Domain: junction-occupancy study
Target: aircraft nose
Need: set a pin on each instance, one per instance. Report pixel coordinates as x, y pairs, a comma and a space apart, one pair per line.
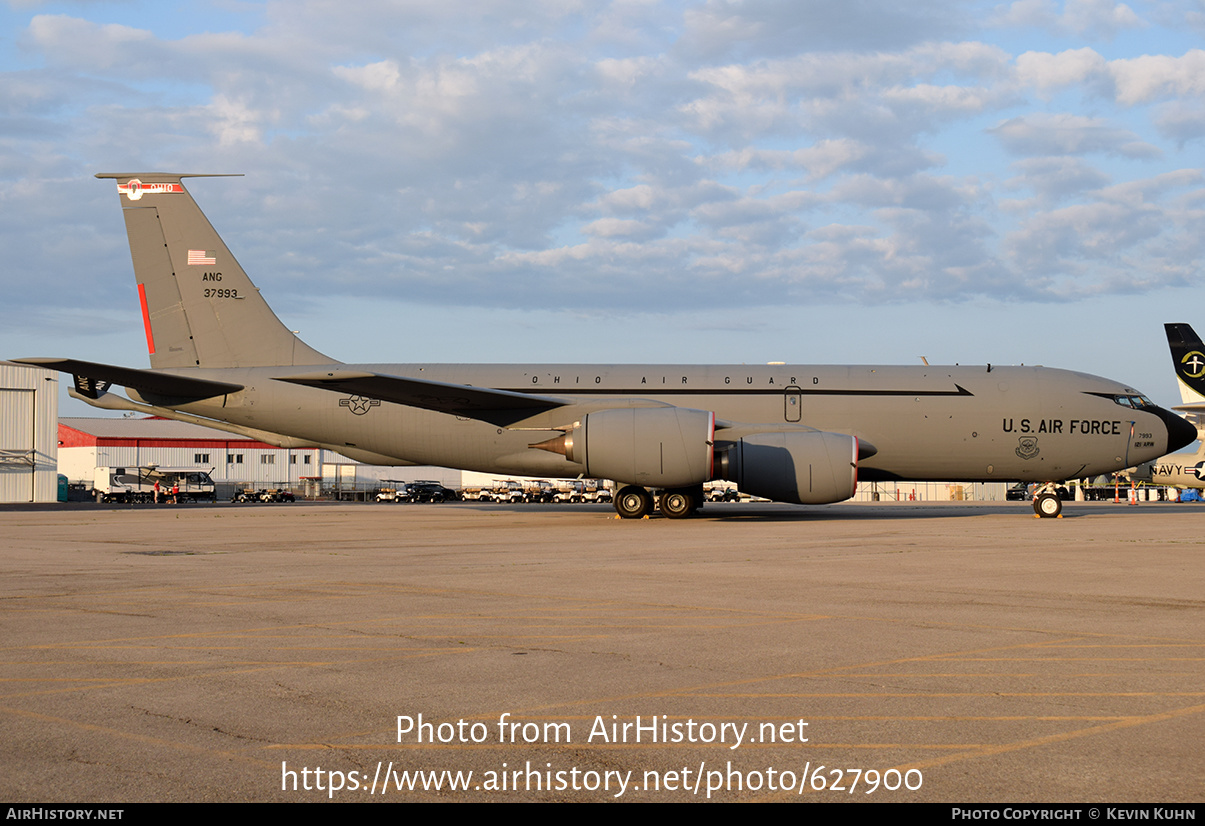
1179, 432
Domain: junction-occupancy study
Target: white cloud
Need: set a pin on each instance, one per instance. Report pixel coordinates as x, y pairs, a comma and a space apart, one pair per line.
627, 72
942, 100
1050, 72
1056, 179
872, 97
1101, 19
71, 41
820, 160
233, 121
1135, 235
384, 76
602, 153
623, 228
1067, 134
1181, 121
1130, 81
641, 197
1153, 77
720, 29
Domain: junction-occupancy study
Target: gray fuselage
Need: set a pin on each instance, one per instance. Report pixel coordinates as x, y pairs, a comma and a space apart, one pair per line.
926, 423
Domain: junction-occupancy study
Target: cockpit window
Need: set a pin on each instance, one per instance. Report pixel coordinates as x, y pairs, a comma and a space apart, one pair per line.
1138, 402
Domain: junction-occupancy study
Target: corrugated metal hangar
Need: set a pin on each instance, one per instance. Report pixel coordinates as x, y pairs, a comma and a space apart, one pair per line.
29, 409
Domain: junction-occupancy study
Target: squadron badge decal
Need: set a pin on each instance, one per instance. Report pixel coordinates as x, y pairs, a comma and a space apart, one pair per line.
1028, 447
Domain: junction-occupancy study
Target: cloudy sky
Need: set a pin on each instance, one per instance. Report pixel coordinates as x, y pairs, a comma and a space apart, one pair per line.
625, 180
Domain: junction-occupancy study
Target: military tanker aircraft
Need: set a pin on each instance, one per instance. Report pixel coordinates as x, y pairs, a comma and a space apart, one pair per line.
801, 434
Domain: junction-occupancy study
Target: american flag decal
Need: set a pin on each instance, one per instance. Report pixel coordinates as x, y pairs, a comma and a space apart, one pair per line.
197, 258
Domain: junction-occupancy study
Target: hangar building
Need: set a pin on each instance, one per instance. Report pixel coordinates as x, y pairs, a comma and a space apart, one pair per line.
29, 409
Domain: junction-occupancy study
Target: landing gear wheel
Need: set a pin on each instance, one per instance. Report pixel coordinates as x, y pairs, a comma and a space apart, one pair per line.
633, 502
1047, 505
677, 504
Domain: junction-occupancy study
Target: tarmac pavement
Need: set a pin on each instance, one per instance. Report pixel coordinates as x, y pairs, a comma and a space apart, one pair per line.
937, 652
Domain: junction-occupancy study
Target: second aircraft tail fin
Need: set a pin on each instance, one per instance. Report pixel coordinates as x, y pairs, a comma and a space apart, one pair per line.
198, 305
1188, 357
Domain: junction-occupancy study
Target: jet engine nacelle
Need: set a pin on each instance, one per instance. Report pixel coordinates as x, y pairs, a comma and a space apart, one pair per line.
657, 447
801, 467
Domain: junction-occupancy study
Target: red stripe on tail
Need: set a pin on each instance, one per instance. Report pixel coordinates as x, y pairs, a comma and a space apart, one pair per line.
146, 320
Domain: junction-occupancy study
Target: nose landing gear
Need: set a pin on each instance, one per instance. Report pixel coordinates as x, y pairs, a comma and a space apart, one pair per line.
1047, 504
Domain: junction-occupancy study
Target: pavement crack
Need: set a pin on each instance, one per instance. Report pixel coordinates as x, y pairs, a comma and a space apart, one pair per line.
188, 721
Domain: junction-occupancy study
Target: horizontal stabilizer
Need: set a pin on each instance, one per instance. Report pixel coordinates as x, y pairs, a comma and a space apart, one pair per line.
148, 381
500, 407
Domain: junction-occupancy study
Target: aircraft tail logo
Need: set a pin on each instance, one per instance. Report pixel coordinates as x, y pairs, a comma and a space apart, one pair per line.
1188, 356
134, 189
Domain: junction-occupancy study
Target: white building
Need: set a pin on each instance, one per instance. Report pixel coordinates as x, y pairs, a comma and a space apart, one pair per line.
86, 444
29, 409
233, 462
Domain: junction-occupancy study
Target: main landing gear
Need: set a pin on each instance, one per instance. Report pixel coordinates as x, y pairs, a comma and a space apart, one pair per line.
635, 502
1046, 502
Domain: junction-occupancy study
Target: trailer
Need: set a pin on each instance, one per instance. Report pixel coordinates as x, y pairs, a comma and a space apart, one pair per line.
141, 484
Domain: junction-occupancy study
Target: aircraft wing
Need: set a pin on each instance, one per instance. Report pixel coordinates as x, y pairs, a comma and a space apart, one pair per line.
500, 407
92, 379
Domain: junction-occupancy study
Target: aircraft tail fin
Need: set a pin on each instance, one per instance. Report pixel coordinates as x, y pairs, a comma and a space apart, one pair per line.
198, 305
1188, 357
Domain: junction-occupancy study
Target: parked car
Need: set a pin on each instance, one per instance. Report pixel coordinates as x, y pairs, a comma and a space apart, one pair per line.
427, 491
